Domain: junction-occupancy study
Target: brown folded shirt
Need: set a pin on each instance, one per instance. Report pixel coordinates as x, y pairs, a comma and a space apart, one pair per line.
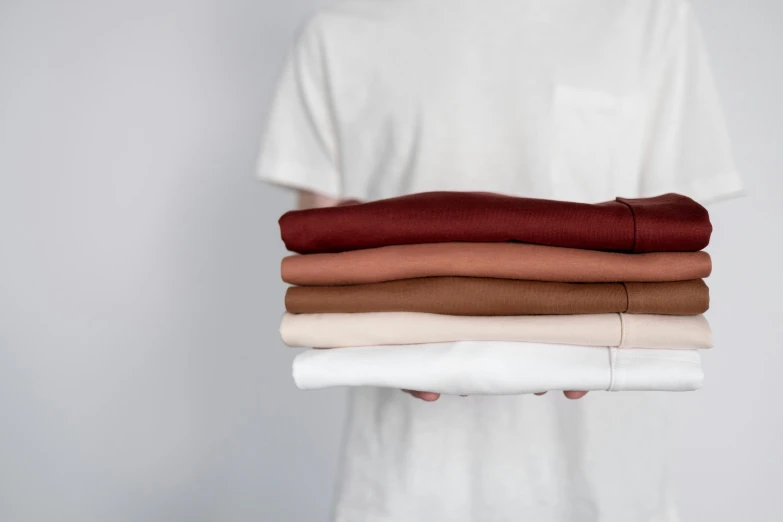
667, 223
483, 296
496, 260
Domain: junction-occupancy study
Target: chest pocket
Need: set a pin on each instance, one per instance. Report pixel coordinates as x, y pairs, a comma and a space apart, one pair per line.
596, 147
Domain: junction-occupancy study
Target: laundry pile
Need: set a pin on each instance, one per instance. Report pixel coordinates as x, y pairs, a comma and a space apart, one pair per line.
479, 293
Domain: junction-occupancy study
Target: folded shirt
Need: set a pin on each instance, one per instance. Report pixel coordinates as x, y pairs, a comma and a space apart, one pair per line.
667, 223
497, 260
477, 296
385, 328
499, 368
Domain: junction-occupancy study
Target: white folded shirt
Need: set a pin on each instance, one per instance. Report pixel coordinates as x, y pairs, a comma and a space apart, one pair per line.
499, 368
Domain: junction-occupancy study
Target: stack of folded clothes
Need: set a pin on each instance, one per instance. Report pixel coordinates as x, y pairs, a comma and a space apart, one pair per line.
479, 293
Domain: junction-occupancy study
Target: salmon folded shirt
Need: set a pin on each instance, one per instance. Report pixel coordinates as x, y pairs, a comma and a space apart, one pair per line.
387, 328
496, 260
477, 296
667, 223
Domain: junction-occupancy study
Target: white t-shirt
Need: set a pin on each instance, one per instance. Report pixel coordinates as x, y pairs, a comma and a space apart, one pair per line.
561, 99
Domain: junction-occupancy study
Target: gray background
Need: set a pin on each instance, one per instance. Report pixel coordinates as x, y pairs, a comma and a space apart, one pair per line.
141, 375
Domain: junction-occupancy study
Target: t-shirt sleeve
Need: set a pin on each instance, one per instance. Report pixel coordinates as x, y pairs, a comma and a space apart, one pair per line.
300, 148
688, 149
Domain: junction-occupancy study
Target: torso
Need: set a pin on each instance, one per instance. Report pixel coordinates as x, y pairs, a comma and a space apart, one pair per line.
532, 98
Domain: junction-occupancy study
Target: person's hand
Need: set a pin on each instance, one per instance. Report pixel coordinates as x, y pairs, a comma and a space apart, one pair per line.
432, 397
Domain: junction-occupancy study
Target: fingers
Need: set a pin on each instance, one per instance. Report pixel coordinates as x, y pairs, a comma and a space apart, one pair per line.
570, 394
425, 396
431, 397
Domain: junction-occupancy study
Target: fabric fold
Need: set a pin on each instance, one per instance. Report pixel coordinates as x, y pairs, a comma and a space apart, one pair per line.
495, 260
666, 223
399, 328
657, 229
475, 296
500, 368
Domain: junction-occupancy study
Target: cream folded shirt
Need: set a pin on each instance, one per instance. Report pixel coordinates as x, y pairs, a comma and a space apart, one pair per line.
500, 368
622, 330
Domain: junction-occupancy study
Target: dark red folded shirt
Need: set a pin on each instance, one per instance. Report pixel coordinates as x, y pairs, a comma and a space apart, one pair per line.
667, 223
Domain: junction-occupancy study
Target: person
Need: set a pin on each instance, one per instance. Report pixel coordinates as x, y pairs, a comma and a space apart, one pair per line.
559, 99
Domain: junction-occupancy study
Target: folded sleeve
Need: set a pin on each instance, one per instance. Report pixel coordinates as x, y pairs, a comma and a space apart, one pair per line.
687, 147
299, 149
